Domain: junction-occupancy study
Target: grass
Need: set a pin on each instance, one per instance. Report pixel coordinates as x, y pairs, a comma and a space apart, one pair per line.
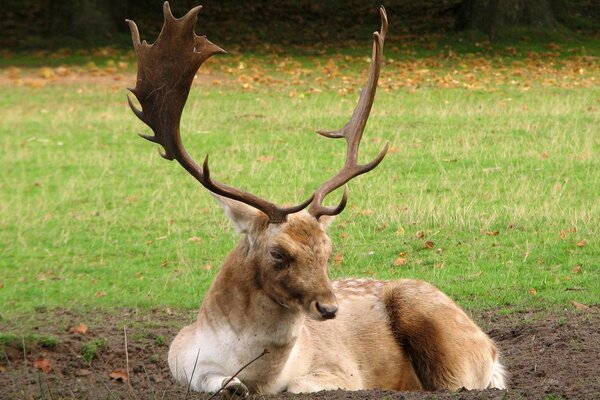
25, 342
91, 349
490, 193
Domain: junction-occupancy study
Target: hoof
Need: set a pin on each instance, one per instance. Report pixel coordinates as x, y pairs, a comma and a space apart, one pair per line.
235, 391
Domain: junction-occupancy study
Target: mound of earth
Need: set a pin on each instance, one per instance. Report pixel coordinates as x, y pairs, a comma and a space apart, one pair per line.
123, 355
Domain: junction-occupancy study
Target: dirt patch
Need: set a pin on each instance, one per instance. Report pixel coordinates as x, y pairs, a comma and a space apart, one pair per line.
548, 356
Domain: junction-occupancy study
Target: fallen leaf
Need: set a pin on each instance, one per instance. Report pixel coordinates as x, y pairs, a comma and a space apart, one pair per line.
1, 285
576, 269
83, 372
544, 155
80, 329
195, 239
119, 375
338, 259
579, 306
46, 73
2, 369
532, 291
428, 244
420, 235
265, 158
400, 261
492, 233
62, 71
100, 294
43, 364
207, 267
581, 243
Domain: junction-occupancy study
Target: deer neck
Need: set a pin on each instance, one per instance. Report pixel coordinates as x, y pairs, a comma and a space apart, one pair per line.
237, 301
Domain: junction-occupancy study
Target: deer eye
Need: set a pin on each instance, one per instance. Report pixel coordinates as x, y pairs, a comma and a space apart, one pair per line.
279, 257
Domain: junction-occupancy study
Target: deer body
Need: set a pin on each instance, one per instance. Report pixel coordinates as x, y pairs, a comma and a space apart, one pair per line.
363, 347
273, 298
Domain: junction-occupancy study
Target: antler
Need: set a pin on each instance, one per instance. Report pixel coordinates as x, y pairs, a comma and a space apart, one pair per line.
352, 132
165, 73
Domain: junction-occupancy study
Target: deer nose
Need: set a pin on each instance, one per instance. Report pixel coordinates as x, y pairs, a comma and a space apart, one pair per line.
327, 311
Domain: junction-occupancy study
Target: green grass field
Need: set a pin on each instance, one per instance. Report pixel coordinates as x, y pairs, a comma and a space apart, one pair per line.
490, 191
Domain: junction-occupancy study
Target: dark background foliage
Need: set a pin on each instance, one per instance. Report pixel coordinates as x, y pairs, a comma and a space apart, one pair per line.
54, 23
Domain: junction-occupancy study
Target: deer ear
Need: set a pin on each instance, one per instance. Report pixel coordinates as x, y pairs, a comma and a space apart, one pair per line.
326, 221
245, 218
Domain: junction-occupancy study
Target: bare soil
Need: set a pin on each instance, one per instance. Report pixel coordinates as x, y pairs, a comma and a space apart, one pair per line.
549, 356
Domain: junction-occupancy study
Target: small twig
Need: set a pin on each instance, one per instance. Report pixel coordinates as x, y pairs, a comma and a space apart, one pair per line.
187, 392
39, 379
49, 389
265, 352
150, 381
127, 359
24, 349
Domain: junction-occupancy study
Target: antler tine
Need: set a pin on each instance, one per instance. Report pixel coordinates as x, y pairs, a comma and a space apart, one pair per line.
353, 131
166, 70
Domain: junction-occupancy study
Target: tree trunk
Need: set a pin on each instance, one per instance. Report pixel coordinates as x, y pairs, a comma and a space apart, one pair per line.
491, 16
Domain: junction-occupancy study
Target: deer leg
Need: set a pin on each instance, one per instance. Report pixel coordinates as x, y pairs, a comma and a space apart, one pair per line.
446, 348
234, 389
317, 381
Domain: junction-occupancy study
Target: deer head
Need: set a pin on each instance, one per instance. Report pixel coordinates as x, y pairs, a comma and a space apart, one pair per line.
286, 248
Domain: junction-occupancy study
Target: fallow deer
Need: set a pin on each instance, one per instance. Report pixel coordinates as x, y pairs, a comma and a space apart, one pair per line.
273, 294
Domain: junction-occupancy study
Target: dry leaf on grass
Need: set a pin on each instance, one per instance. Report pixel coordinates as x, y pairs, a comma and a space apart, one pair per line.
532, 291
579, 306
581, 243
338, 259
429, 244
400, 261
265, 158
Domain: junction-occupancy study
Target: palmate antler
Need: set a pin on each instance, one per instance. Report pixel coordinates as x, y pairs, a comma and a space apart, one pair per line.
165, 74
353, 131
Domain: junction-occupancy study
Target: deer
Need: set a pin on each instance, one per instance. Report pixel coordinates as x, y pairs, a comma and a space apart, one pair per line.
272, 302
